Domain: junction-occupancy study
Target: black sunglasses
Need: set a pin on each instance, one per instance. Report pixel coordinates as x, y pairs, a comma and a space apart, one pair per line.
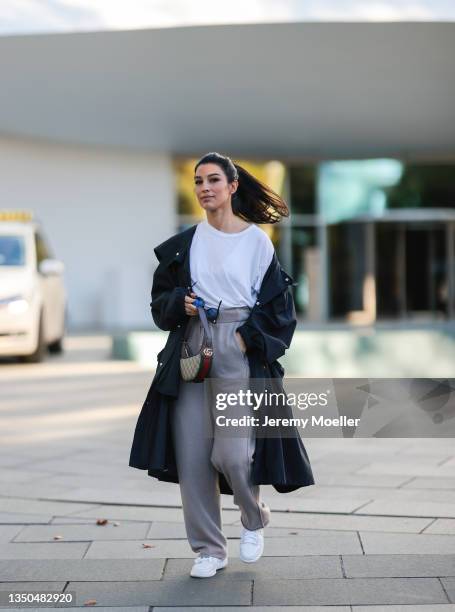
211, 313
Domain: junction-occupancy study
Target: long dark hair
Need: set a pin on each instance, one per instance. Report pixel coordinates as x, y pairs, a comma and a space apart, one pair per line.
253, 201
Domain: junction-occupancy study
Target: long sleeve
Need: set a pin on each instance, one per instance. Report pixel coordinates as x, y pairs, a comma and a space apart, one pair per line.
168, 301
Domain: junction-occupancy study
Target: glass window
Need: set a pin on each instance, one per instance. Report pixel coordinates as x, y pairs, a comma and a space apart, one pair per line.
306, 267
426, 269
302, 184
390, 270
426, 186
351, 188
12, 251
347, 267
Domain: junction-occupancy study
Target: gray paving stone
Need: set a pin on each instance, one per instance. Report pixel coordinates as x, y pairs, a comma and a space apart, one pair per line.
138, 513
450, 465
443, 526
180, 592
430, 483
409, 468
318, 491
407, 543
411, 461
72, 521
16, 476
363, 591
405, 608
442, 446
309, 504
79, 481
56, 550
360, 480
82, 533
341, 464
133, 549
291, 568
12, 461
133, 513
8, 532
28, 506
98, 608
173, 531
172, 499
449, 585
115, 495
11, 588
444, 496
25, 586
29, 456
398, 566
142, 497
90, 570
12, 518
70, 466
255, 609
34, 490
312, 543
340, 522
406, 508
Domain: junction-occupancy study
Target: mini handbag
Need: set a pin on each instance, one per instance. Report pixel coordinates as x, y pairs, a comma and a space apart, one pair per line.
194, 368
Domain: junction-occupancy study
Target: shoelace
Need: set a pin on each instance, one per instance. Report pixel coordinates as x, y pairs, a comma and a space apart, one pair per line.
250, 537
202, 559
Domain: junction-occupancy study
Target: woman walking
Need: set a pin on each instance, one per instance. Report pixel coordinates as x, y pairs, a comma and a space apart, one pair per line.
220, 279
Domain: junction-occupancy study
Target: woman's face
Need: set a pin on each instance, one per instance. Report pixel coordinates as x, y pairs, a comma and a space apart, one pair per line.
212, 188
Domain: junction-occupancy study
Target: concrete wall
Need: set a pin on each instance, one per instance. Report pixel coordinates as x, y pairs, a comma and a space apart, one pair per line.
102, 211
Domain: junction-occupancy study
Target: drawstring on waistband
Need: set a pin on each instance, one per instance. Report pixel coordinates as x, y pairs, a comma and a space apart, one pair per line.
232, 315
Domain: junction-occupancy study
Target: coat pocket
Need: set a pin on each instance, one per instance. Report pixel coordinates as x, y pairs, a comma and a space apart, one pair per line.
237, 344
162, 359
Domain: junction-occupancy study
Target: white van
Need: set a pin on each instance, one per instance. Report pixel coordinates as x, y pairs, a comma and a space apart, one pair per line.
32, 291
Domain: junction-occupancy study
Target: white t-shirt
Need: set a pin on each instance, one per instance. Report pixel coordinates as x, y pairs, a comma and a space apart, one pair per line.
229, 267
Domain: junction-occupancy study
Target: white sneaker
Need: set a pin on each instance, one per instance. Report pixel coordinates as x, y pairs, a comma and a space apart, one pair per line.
206, 567
251, 545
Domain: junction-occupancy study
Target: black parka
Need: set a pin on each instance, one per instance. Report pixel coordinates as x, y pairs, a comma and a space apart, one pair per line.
280, 461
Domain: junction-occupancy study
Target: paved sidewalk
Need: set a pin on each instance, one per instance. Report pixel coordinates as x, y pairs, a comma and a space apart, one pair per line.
377, 532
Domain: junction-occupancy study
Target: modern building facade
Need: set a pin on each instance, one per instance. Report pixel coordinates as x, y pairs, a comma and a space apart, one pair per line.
360, 117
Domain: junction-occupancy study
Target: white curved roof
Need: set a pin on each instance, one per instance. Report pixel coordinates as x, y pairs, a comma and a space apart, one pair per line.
285, 90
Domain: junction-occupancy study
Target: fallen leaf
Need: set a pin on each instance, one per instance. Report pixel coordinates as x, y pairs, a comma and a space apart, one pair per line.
148, 546
101, 521
116, 524
90, 602
58, 537
293, 533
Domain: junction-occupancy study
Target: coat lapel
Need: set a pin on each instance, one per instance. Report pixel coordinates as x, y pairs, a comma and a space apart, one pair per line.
176, 247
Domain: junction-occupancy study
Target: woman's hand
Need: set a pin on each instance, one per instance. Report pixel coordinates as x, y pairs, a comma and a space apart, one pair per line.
241, 342
189, 308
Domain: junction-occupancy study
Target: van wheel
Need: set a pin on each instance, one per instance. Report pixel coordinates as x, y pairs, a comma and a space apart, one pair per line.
56, 346
38, 354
